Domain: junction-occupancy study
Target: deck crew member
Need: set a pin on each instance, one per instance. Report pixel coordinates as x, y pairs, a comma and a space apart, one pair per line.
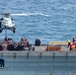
69, 42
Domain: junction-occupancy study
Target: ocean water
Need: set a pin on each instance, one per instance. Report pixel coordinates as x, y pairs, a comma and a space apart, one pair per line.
49, 20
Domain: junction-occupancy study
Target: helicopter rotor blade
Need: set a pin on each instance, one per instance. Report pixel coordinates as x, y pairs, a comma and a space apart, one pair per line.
24, 14
19, 14
29, 14
5, 13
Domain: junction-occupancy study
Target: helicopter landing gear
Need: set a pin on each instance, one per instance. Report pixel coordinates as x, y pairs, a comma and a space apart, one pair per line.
1, 28
13, 31
0, 31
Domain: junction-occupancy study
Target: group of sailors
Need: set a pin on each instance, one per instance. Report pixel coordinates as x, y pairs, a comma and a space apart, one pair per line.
72, 44
9, 44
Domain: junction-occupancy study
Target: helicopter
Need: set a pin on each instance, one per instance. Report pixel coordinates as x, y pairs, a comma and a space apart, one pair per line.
6, 23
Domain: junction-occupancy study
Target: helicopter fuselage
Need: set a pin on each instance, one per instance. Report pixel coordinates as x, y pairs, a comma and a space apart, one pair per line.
7, 23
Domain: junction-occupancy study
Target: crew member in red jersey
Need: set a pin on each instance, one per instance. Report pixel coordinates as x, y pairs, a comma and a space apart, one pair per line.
74, 42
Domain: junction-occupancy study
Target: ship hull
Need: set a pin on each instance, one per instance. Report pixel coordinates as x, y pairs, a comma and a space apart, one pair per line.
38, 63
